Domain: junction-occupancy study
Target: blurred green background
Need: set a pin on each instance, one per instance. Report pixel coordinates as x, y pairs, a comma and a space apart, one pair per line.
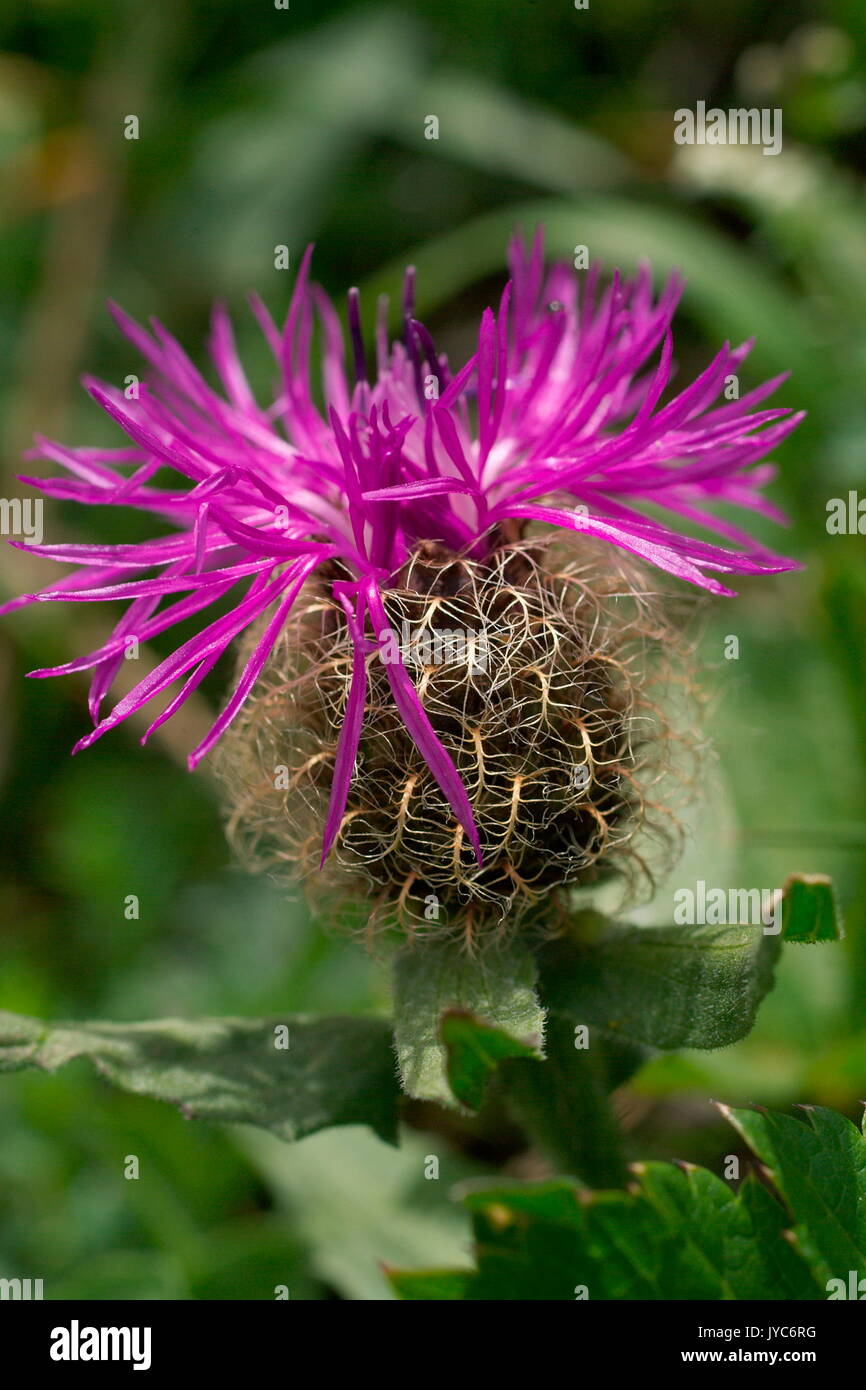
262, 126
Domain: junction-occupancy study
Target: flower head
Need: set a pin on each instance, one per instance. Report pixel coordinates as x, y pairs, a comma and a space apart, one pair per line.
555, 419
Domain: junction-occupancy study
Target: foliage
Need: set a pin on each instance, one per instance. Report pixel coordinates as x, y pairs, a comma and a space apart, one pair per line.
679, 1232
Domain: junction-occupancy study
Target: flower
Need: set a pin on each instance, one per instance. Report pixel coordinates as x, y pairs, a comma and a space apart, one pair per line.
556, 418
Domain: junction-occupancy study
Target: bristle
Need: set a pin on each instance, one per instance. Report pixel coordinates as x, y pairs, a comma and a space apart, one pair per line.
539, 690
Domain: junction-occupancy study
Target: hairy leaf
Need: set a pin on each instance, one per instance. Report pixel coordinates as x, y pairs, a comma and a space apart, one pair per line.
334, 1071
664, 987
497, 988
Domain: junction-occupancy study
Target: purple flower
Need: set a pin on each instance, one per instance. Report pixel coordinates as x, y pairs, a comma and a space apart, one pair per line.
555, 418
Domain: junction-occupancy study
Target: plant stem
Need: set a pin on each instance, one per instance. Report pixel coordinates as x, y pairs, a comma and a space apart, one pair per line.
563, 1102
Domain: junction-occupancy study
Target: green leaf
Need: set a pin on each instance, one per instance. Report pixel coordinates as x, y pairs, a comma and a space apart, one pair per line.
733, 1240
683, 1233
497, 988
474, 1050
560, 1100
663, 987
809, 911
680, 1232
530, 1241
783, 1263
428, 1285
335, 1071
362, 1207
819, 1167
247, 1258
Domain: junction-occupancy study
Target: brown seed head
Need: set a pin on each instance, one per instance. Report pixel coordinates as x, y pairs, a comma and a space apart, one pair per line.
539, 669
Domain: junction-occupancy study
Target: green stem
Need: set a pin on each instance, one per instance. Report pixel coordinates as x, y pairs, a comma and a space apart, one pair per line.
563, 1103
